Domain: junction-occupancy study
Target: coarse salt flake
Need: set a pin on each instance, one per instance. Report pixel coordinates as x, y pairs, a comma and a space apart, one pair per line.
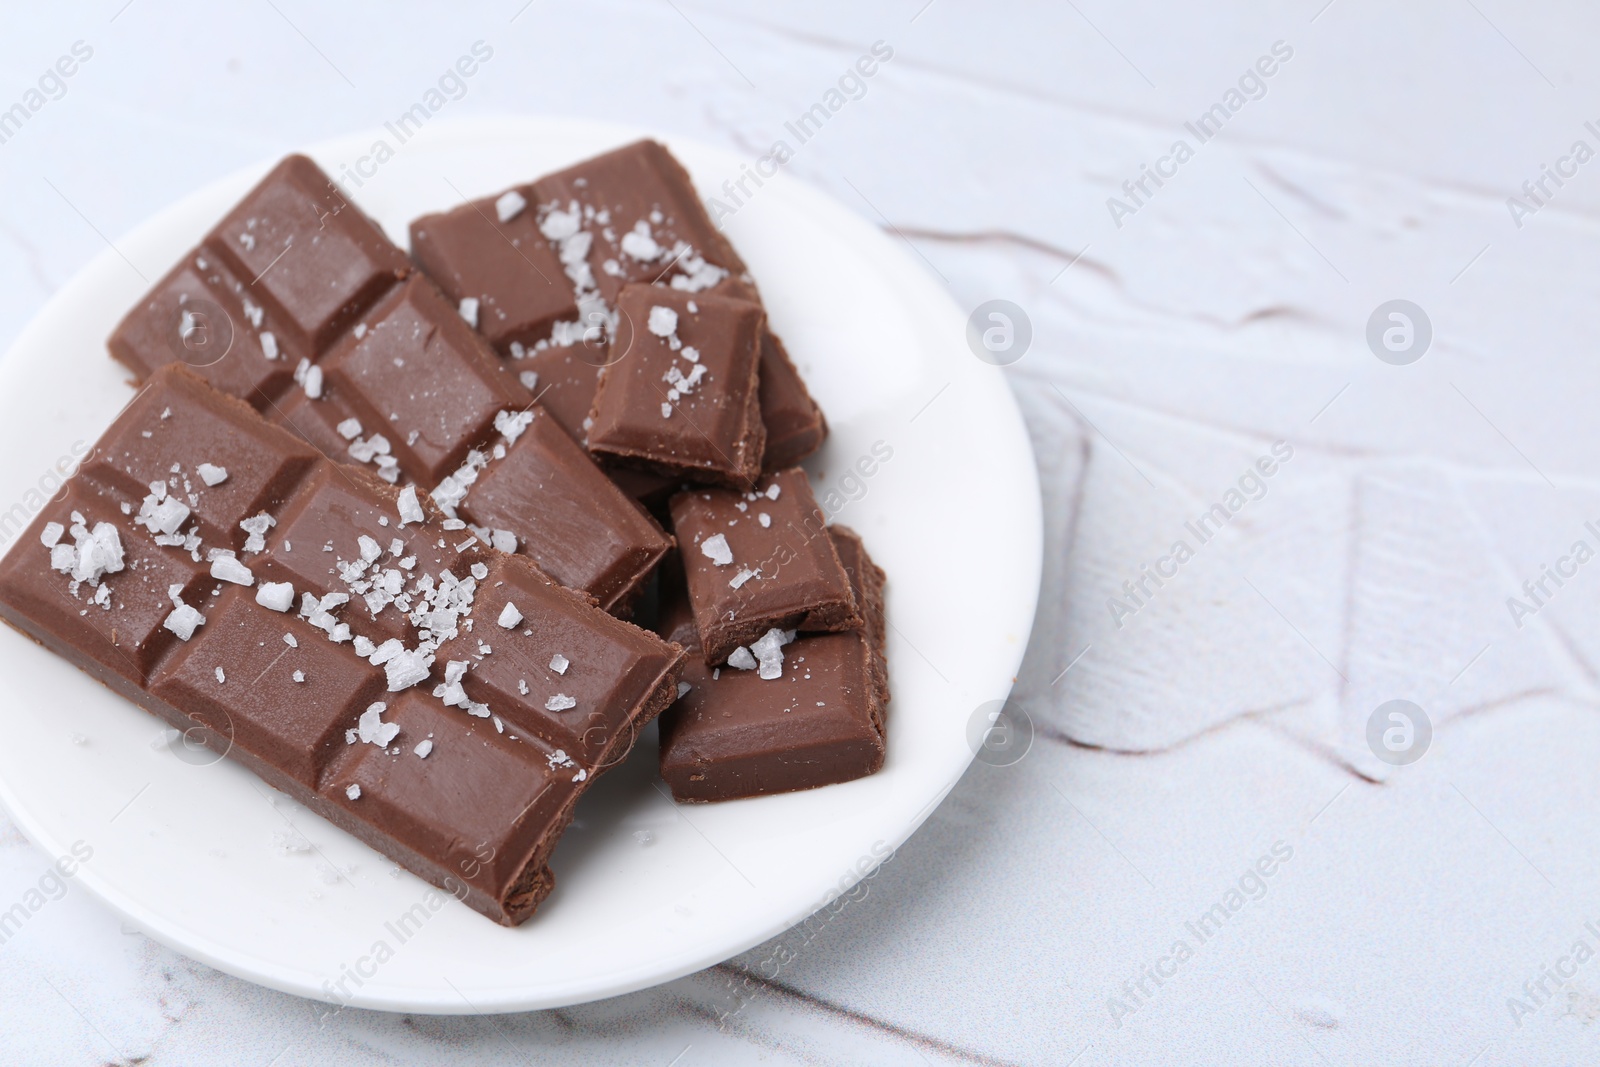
469, 310
559, 663
560, 702
663, 321
275, 596
715, 548
229, 569
211, 474
509, 205
410, 506
372, 729
510, 617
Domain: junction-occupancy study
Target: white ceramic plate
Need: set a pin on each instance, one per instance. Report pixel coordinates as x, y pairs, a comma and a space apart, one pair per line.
646, 891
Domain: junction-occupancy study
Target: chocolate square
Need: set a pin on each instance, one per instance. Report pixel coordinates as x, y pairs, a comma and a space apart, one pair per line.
491, 251
563, 383
258, 703
643, 218
197, 316
681, 393
177, 421
481, 808
306, 253
566, 514
126, 635
419, 376
581, 682
760, 561
319, 536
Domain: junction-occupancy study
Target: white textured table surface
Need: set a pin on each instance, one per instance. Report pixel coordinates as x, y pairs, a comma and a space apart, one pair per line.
1433, 913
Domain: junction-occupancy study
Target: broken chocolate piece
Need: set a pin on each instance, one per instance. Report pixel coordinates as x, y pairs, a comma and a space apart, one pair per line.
681, 393
760, 561
568, 517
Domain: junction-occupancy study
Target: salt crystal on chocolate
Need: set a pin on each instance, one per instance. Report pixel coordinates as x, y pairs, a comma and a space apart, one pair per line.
350, 428
509, 205
184, 620
229, 569
424, 747
715, 548
211, 474
469, 310
768, 652
275, 596
663, 321
742, 659
257, 526
269, 345
408, 669
50, 536
559, 663
373, 730
353, 792
560, 702
510, 617
410, 507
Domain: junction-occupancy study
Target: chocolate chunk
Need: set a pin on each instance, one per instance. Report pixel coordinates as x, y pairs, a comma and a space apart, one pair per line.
681, 393
198, 315
579, 527
491, 251
736, 733
306, 253
580, 678
643, 221
760, 561
322, 666
294, 726
794, 422
422, 378
175, 424
121, 640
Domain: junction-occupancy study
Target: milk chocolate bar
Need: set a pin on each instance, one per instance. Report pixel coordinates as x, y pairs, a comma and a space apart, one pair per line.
299, 304
811, 713
445, 703
760, 561
680, 394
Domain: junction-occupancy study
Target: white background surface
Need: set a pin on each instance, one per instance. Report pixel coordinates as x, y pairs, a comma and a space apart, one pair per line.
1227, 715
